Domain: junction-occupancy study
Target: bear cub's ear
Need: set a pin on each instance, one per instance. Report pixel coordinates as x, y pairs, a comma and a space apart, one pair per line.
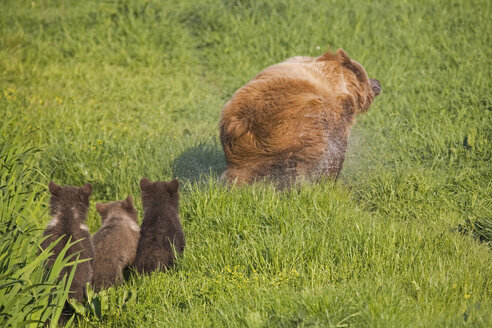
86, 189
128, 202
173, 185
145, 183
101, 208
54, 188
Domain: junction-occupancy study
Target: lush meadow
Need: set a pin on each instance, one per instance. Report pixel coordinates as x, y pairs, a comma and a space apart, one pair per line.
109, 92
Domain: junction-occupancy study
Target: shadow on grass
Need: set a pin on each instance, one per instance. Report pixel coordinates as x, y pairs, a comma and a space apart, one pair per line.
480, 229
199, 162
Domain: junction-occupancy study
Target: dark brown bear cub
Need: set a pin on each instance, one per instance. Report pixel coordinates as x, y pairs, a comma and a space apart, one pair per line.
115, 243
69, 207
161, 229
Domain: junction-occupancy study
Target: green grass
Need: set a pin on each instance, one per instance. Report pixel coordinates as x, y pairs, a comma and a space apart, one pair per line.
113, 91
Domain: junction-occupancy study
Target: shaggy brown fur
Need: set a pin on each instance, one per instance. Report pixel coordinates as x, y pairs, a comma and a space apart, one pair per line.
115, 243
161, 229
69, 207
294, 118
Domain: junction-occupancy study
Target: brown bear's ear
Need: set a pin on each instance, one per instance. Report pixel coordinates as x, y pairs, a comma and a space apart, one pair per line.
54, 188
173, 185
87, 189
128, 202
145, 183
101, 208
328, 56
343, 58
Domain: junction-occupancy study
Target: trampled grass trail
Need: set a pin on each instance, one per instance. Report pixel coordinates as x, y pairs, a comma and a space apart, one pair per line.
109, 92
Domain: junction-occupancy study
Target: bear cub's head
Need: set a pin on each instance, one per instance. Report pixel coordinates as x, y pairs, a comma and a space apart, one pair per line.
122, 208
160, 192
69, 198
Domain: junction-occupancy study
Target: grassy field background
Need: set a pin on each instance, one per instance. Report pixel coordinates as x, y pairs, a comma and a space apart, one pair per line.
113, 91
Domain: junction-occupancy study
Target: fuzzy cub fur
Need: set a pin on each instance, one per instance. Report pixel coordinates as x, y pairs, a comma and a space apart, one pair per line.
293, 119
69, 207
115, 243
161, 229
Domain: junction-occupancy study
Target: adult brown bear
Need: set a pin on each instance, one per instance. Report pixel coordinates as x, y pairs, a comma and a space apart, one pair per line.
292, 121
